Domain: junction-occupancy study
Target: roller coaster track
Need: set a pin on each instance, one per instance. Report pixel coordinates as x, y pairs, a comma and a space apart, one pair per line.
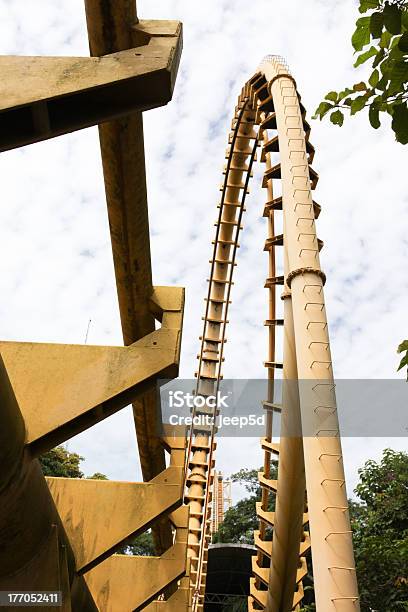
62, 534
309, 493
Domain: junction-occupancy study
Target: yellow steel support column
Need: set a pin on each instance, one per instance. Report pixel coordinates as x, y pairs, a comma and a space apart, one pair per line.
333, 559
34, 551
290, 497
53, 532
51, 535
113, 26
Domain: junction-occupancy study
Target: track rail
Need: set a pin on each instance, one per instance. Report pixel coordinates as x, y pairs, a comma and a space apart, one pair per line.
283, 537
201, 444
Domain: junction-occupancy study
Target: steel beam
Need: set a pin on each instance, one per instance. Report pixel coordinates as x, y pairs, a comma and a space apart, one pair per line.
113, 26
55, 384
290, 498
44, 97
34, 551
48, 393
131, 583
86, 508
332, 548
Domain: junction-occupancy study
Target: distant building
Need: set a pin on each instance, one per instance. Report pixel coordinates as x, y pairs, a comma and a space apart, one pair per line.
221, 500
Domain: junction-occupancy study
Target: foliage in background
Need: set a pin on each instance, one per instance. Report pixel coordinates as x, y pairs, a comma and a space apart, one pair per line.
380, 528
379, 520
63, 464
381, 36
403, 348
59, 462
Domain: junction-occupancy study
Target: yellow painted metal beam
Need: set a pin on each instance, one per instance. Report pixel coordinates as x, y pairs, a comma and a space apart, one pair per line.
113, 26
35, 554
334, 572
99, 516
55, 385
43, 97
291, 492
130, 583
45, 390
180, 601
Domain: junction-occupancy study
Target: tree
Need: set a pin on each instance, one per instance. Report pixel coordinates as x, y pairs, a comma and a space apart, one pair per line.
249, 478
380, 530
379, 520
382, 37
61, 463
141, 546
239, 523
98, 476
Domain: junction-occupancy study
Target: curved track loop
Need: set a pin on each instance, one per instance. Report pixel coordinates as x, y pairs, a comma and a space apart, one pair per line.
282, 539
201, 446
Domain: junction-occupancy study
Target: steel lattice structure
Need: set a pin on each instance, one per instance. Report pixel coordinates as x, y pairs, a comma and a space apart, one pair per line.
310, 489
61, 534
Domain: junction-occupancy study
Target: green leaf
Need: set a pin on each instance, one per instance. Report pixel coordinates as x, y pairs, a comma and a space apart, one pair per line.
361, 36
400, 71
322, 110
373, 115
404, 19
363, 22
365, 56
395, 52
382, 83
366, 5
403, 43
403, 347
358, 104
400, 122
395, 41
344, 93
403, 362
392, 18
337, 118
333, 96
360, 86
385, 40
376, 24
379, 58
374, 78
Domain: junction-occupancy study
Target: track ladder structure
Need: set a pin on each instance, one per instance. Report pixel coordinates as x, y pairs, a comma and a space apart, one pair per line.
309, 498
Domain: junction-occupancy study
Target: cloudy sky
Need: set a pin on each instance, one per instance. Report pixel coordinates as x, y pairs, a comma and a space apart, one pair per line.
56, 268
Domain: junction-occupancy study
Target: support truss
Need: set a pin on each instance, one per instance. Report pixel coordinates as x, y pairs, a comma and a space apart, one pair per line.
60, 534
